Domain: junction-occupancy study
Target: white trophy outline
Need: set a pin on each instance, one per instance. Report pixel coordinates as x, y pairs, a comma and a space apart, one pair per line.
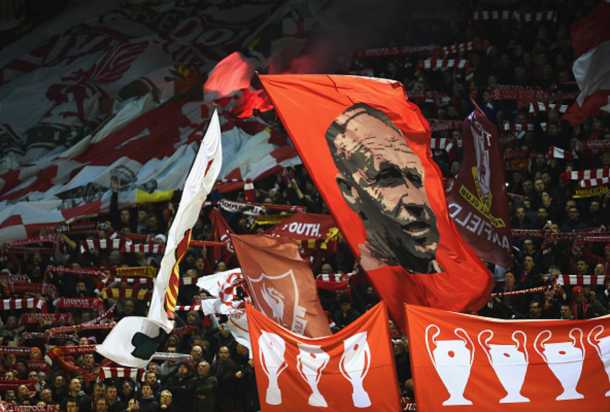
567, 377
604, 353
447, 373
298, 315
274, 394
510, 374
360, 396
314, 360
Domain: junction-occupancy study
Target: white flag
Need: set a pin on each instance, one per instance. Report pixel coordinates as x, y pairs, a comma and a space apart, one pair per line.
223, 286
133, 341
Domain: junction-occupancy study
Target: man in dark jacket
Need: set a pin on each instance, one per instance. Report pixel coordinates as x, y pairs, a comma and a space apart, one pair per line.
346, 315
224, 369
203, 389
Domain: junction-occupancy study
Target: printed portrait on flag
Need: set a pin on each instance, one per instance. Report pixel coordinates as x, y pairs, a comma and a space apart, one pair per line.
367, 149
382, 181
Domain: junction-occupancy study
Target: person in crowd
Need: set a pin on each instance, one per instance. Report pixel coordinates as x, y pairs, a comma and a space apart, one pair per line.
202, 388
347, 314
76, 394
148, 402
165, 402
114, 402
224, 369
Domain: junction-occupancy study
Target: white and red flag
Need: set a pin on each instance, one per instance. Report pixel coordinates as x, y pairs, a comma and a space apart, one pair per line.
281, 285
591, 41
135, 339
229, 298
472, 363
348, 371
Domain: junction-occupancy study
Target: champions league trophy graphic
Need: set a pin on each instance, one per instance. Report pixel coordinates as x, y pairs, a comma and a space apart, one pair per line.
452, 361
509, 363
271, 354
311, 361
354, 365
565, 361
602, 346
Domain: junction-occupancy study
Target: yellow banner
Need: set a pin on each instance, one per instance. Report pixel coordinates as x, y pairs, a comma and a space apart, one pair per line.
481, 203
143, 271
590, 192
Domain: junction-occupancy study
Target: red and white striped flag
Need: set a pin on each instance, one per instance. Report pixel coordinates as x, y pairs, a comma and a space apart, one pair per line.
439, 144
442, 63
31, 303
519, 127
89, 244
543, 107
191, 307
334, 277
494, 15
588, 178
591, 42
557, 153
462, 47
539, 16
511, 14
581, 280
142, 248
119, 372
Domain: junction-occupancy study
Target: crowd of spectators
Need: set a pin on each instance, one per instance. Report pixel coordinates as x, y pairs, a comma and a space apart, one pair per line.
215, 372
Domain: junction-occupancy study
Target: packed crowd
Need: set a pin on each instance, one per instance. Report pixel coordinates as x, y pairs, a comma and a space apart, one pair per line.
208, 370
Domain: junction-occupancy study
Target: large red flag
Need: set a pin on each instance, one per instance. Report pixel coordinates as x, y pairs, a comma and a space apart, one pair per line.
470, 363
478, 202
351, 370
281, 285
368, 150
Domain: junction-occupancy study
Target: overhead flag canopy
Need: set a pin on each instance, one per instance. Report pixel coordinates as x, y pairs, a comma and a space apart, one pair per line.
367, 149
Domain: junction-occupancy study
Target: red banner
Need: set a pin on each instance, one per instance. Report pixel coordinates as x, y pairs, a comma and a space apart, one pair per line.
221, 234
351, 370
13, 385
308, 227
15, 350
280, 284
385, 193
470, 363
477, 202
82, 303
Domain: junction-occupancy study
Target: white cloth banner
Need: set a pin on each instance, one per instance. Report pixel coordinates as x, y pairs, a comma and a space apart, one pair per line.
134, 340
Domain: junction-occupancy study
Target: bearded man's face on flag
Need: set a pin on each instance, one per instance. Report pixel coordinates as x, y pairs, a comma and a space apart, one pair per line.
381, 179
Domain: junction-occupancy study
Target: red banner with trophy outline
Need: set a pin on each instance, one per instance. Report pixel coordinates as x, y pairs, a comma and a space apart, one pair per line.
350, 370
470, 363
